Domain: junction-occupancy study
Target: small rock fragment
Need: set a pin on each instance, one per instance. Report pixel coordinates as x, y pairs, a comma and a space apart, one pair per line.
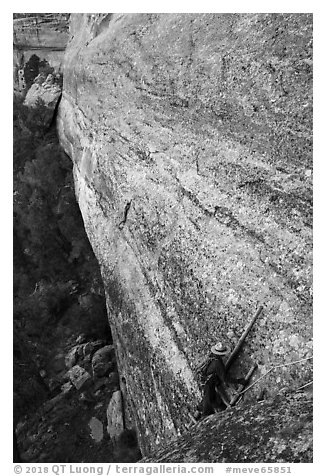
66, 387
72, 357
78, 376
96, 429
81, 339
114, 415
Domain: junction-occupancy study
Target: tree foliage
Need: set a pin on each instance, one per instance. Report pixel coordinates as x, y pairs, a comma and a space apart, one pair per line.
52, 256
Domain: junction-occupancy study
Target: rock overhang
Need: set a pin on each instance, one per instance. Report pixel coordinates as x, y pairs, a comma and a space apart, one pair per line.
191, 118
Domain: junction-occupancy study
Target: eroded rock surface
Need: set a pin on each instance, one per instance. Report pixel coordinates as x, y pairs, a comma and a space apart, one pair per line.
190, 136
45, 93
274, 431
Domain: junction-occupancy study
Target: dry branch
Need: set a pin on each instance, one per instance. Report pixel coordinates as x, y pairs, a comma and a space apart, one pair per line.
304, 386
273, 368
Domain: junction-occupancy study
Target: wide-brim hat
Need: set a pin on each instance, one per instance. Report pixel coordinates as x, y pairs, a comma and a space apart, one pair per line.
220, 349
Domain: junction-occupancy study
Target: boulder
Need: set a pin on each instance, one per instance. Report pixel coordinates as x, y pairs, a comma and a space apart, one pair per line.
96, 428
79, 376
72, 357
114, 415
43, 96
191, 135
89, 348
102, 361
85, 351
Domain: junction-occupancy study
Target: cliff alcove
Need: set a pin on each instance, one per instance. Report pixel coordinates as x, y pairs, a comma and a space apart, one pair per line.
40, 39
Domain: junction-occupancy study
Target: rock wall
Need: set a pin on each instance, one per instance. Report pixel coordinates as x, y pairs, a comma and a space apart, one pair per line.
44, 35
190, 136
275, 431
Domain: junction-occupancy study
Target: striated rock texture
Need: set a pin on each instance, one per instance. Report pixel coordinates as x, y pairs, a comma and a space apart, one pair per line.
274, 431
41, 35
190, 136
45, 93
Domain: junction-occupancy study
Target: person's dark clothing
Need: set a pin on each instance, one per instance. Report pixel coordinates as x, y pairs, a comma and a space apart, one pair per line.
211, 401
216, 367
214, 379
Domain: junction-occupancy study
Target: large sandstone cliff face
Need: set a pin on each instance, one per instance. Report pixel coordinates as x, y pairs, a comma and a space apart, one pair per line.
202, 123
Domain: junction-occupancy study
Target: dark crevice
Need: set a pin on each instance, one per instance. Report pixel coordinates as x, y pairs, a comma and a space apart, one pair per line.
60, 317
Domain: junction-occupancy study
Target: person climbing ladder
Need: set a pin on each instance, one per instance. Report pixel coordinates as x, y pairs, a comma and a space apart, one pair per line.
214, 379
